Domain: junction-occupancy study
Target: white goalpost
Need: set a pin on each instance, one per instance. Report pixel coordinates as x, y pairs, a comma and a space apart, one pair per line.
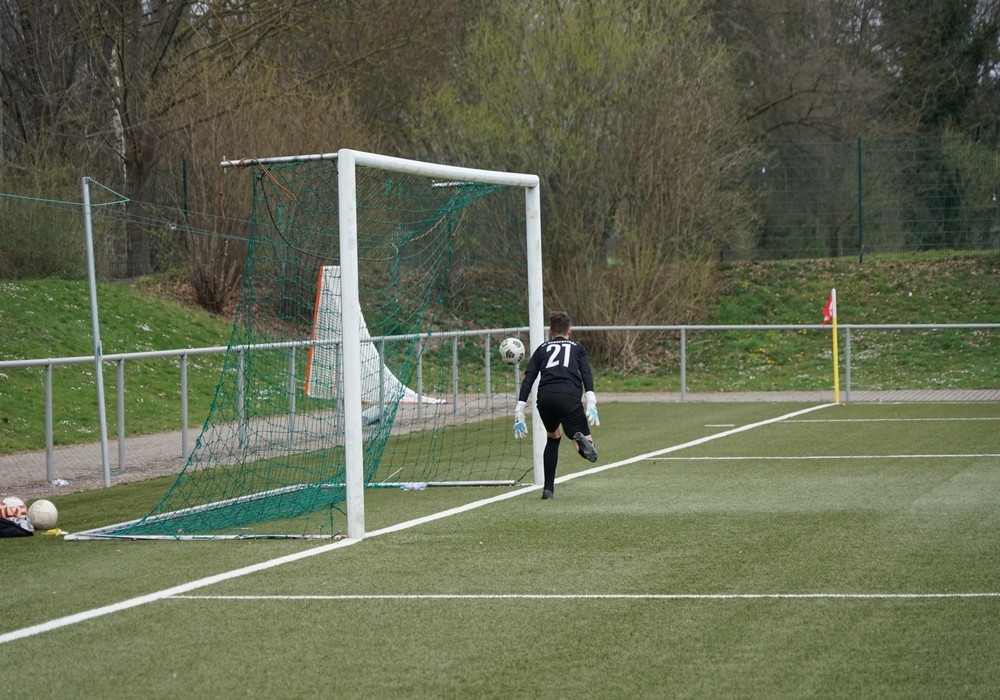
347, 161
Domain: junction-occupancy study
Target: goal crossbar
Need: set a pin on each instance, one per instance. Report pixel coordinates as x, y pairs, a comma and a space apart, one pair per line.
400, 165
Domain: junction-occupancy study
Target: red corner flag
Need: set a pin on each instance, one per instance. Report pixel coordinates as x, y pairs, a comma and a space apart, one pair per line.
830, 310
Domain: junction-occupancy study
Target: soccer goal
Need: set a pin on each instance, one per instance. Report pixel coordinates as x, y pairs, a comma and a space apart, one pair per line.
363, 353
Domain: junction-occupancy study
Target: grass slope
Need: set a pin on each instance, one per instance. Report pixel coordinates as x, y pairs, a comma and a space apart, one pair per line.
937, 290
51, 318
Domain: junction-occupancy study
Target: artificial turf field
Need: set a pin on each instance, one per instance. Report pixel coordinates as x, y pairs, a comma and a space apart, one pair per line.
841, 551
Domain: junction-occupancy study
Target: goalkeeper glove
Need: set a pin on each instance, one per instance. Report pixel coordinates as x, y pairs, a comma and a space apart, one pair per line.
520, 429
592, 417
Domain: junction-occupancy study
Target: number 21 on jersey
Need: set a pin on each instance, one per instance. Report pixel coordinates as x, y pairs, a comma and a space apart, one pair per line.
555, 350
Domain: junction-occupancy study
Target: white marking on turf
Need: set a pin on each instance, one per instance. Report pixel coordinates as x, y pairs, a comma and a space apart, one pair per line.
770, 458
889, 420
262, 566
165, 593
693, 443
595, 596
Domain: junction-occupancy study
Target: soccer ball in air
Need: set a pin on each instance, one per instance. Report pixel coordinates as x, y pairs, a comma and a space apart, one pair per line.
43, 514
511, 351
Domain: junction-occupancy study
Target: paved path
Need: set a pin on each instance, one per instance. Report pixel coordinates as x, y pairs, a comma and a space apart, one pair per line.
25, 474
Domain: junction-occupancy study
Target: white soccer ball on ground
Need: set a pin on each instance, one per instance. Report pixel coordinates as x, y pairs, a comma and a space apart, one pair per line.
43, 514
512, 351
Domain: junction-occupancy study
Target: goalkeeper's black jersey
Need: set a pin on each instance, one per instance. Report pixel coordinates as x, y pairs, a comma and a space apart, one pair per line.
563, 366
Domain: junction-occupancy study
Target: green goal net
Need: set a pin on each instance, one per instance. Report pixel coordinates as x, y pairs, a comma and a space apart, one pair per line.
441, 279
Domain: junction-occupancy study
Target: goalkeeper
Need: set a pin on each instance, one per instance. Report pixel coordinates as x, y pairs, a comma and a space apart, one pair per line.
564, 369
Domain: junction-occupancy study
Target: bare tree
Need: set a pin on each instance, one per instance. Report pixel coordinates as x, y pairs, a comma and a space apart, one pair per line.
250, 115
807, 69
810, 74
142, 56
40, 77
385, 54
943, 56
627, 112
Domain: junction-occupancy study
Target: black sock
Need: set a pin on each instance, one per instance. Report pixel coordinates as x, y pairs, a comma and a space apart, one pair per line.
549, 460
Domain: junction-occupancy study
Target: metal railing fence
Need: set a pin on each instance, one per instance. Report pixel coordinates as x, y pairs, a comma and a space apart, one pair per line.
120, 359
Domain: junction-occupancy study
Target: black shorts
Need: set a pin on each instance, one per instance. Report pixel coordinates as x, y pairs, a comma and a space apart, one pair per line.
562, 409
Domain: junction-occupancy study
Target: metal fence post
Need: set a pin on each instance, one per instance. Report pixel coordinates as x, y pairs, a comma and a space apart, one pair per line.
241, 413
121, 414
861, 218
420, 380
454, 373
486, 362
291, 390
49, 442
847, 364
683, 365
184, 405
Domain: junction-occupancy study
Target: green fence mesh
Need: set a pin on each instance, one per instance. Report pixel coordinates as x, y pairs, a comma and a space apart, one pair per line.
881, 197
442, 281
886, 196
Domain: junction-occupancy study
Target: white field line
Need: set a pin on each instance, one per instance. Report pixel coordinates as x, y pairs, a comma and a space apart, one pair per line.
808, 457
890, 420
694, 443
599, 596
262, 566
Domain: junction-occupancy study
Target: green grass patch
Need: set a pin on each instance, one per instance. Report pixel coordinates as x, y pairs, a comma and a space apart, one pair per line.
51, 319
886, 291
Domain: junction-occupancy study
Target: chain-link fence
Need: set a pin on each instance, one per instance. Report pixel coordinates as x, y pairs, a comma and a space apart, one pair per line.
167, 222
869, 197
887, 196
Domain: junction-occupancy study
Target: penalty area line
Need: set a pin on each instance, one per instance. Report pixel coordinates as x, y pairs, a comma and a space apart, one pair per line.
263, 566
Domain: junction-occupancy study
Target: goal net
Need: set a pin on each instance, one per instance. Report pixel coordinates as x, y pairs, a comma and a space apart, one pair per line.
363, 353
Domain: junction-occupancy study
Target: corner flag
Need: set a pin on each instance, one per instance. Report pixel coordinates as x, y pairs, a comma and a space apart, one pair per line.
830, 314
830, 310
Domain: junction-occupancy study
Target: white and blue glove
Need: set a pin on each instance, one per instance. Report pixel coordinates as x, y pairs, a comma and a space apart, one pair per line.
592, 417
520, 428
